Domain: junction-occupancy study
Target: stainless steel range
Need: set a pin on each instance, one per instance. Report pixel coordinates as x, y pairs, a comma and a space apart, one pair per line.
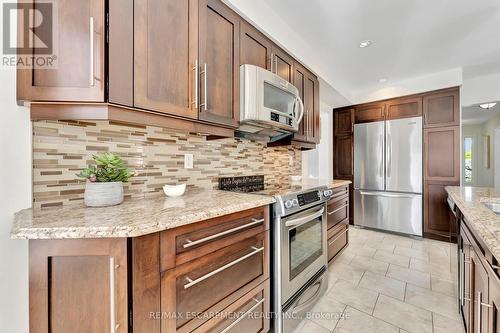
299, 263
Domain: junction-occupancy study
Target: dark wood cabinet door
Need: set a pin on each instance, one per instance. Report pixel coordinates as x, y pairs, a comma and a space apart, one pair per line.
442, 109
442, 154
343, 121
282, 64
311, 107
78, 285
79, 75
369, 113
480, 294
255, 48
219, 35
494, 301
437, 222
343, 156
299, 82
404, 108
165, 56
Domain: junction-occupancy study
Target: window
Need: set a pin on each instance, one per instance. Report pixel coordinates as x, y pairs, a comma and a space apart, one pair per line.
468, 160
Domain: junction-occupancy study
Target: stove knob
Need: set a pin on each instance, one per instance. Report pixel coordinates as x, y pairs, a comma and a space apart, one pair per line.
295, 202
327, 193
288, 204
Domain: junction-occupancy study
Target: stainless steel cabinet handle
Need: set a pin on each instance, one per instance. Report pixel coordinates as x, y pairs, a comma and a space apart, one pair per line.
190, 243
303, 220
335, 239
234, 323
205, 98
196, 83
336, 210
91, 33
338, 194
272, 62
222, 268
113, 326
479, 319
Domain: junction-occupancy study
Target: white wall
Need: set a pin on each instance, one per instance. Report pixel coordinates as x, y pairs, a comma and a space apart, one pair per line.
481, 89
15, 194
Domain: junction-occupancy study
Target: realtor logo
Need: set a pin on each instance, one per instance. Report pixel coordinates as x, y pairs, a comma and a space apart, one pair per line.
29, 34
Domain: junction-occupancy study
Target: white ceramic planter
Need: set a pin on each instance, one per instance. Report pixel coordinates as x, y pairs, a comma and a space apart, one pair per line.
103, 194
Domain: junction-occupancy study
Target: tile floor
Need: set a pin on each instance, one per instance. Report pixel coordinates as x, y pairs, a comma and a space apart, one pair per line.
388, 283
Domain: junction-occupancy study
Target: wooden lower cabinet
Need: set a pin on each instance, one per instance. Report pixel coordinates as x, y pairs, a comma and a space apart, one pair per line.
481, 293
78, 285
438, 223
338, 222
140, 284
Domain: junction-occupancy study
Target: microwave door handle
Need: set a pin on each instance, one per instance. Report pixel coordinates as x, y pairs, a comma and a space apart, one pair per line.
300, 104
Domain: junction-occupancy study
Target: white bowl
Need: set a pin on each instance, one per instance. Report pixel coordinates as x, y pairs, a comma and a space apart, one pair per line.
174, 190
296, 178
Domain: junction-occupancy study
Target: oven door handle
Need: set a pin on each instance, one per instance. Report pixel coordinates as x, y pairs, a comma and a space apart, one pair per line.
303, 220
312, 299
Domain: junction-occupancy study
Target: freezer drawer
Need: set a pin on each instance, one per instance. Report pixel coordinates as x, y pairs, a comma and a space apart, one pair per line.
397, 212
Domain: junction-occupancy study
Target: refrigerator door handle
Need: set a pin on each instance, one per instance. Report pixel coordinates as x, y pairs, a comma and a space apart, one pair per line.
389, 155
390, 195
381, 156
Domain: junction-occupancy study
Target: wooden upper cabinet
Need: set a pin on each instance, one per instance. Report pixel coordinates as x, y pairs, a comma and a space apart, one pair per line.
343, 121
255, 48
442, 154
219, 35
311, 107
165, 54
442, 108
404, 108
299, 82
369, 113
282, 64
79, 75
308, 86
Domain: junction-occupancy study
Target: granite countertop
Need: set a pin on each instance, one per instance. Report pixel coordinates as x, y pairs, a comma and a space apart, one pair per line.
482, 221
338, 183
132, 218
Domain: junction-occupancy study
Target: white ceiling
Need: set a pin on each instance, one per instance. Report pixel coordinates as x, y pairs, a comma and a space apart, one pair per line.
411, 38
472, 115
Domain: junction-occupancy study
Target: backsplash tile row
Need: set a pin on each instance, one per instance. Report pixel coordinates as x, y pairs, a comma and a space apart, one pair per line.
62, 148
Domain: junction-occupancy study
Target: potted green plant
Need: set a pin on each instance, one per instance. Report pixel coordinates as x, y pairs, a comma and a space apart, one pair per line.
105, 180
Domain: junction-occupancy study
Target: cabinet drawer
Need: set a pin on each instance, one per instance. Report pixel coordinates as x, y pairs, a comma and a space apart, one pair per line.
249, 314
338, 211
338, 237
209, 284
187, 243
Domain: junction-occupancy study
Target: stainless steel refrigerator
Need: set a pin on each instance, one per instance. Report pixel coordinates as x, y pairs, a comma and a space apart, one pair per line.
388, 175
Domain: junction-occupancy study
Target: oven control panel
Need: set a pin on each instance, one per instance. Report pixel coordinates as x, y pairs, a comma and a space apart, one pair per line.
308, 198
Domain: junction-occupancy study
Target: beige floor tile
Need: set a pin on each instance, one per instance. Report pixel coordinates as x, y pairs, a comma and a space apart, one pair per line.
383, 285
359, 322
346, 272
440, 271
363, 251
412, 253
331, 281
398, 240
371, 265
432, 301
403, 315
392, 258
414, 277
445, 287
327, 312
444, 324
356, 297
344, 257
310, 327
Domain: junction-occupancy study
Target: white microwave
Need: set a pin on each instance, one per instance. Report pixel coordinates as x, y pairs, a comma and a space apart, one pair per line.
267, 101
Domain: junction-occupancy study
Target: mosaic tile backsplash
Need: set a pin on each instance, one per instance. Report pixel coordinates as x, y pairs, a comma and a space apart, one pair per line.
62, 148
